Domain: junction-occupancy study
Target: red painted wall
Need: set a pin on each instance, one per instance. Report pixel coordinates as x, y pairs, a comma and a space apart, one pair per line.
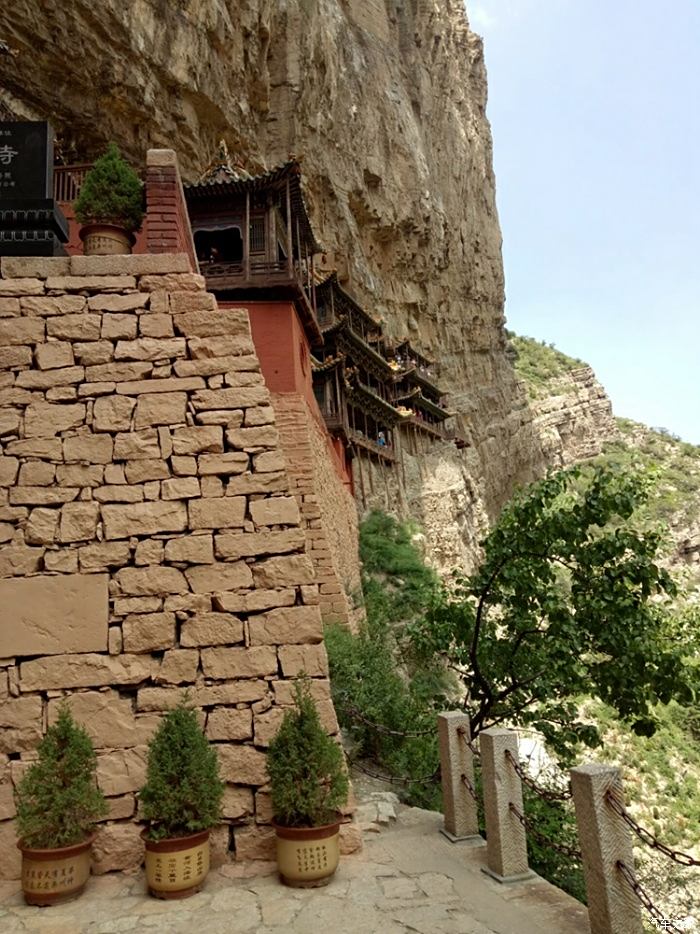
283, 350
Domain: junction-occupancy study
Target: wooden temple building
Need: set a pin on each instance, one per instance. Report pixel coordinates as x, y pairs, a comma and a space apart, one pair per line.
256, 247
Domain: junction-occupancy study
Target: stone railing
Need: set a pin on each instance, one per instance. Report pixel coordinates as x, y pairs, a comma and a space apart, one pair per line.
605, 828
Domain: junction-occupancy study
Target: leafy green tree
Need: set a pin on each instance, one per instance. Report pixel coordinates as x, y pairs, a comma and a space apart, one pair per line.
183, 791
58, 800
568, 602
111, 193
307, 774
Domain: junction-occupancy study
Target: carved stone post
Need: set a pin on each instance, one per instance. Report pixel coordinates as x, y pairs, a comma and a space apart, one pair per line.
612, 906
506, 845
456, 760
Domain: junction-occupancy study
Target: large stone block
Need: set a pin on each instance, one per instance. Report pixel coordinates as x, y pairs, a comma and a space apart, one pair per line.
267, 724
194, 549
231, 398
144, 519
251, 438
8, 470
103, 555
117, 847
48, 305
17, 560
88, 448
284, 571
223, 322
287, 625
275, 510
149, 632
311, 659
228, 663
179, 666
233, 462
238, 802
165, 384
74, 327
217, 512
112, 413
137, 445
150, 348
213, 578
82, 671
42, 527
141, 471
138, 264
247, 544
203, 347
151, 581
121, 771
242, 765
78, 522
254, 601
166, 408
43, 420
53, 615
255, 843
208, 438
55, 354
21, 331
228, 723
212, 629
233, 692
108, 718
46, 379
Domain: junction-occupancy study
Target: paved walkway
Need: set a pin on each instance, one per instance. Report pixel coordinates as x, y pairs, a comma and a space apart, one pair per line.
408, 878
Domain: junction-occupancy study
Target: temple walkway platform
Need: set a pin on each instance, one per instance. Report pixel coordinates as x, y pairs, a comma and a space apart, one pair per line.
407, 878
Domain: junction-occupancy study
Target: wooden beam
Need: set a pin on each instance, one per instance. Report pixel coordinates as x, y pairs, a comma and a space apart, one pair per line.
246, 240
290, 243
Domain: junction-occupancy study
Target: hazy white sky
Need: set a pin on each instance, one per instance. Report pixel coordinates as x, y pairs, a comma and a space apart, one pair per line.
595, 111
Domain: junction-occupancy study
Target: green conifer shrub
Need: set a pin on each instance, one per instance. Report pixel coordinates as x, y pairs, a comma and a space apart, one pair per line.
183, 791
58, 800
111, 193
307, 772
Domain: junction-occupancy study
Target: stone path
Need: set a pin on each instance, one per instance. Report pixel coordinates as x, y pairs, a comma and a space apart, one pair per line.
408, 878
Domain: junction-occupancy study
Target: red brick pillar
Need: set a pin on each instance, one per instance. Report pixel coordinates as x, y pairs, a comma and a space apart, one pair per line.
168, 227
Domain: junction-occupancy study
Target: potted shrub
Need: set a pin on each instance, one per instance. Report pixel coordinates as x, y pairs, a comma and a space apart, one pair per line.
181, 801
110, 205
309, 784
58, 803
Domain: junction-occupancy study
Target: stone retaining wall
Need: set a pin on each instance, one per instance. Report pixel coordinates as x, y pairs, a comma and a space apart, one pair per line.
328, 509
148, 538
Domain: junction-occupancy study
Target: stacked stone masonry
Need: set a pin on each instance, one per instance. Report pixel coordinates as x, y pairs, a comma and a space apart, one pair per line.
149, 538
327, 507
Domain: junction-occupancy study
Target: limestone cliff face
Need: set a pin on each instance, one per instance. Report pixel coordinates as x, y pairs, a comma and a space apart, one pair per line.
574, 419
383, 99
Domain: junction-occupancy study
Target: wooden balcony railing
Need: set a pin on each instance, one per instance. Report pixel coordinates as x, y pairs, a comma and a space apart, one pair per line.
67, 181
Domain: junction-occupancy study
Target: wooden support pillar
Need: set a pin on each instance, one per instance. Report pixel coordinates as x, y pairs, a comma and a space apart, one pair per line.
246, 238
290, 244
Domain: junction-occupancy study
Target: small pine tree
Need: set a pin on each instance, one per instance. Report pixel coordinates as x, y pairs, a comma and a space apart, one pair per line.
58, 800
307, 773
183, 791
111, 193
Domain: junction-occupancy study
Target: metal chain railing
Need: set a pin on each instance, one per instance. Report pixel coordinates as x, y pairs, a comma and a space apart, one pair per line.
469, 742
646, 836
546, 794
394, 779
664, 923
356, 714
560, 848
470, 788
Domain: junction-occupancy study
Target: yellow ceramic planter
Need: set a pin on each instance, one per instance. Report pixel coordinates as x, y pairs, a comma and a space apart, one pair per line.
176, 868
55, 875
307, 857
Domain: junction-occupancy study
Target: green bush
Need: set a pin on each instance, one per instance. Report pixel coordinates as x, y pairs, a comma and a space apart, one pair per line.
307, 774
183, 790
111, 193
58, 801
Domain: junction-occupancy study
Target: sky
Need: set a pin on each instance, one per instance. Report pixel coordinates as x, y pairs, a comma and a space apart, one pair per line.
595, 113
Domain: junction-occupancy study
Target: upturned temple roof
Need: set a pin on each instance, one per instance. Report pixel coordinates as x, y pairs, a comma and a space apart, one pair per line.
223, 180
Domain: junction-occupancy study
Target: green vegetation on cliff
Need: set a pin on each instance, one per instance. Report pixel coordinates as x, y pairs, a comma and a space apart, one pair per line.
538, 363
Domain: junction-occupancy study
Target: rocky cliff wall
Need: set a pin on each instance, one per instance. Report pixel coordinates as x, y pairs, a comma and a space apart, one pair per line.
574, 418
384, 100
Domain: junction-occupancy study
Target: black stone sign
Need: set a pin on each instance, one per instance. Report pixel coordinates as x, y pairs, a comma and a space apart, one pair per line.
30, 223
26, 161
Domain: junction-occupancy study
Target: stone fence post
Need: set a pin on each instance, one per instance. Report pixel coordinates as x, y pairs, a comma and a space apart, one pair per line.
506, 845
612, 905
457, 760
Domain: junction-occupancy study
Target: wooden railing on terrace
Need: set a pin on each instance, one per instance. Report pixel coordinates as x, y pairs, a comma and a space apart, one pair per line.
67, 181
